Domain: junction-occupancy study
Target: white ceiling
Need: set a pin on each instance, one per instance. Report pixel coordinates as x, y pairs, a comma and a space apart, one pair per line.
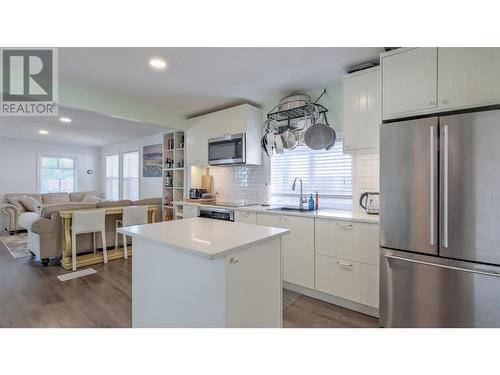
197, 80
200, 79
86, 128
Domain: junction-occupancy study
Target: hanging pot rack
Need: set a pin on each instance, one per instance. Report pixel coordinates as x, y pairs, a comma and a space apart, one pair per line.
297, 113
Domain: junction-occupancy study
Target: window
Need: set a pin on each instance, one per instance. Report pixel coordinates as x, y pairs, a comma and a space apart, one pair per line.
327, 172
57, 174
112, 177
131, 175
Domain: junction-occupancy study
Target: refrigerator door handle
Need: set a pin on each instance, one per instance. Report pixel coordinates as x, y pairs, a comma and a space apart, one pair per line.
445, 185
493, 274
431, 185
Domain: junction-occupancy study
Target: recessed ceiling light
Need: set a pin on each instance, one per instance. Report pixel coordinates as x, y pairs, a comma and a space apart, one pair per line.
158, 63
65, 119
43, 132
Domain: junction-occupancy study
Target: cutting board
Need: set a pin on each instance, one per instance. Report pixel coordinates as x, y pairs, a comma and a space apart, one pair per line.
201, 200
207, 181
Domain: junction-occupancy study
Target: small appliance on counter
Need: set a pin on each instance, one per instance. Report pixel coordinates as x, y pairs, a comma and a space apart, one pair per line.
196, 193
370, 201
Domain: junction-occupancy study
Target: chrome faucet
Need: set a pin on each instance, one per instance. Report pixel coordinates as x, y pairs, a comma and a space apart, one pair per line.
302, 199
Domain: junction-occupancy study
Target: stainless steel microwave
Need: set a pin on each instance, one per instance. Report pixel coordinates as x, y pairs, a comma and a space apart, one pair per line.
230, 149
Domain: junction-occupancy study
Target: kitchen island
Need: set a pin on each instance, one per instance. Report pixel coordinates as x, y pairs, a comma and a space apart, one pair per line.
206, 273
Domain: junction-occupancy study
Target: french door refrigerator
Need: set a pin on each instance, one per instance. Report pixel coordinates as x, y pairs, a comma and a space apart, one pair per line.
440, 221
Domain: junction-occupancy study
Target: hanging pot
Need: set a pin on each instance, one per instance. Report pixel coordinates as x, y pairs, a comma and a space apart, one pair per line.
294, 101
318, 136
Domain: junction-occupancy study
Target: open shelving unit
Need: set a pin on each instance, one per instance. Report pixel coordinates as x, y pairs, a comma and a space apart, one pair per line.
173, 172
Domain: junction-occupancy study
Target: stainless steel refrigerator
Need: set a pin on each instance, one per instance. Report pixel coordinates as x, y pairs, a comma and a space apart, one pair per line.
440, 221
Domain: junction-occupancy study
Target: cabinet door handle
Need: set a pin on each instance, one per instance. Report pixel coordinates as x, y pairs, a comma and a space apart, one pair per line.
445, 101
344, 226
345, 264
233, 260
432, 102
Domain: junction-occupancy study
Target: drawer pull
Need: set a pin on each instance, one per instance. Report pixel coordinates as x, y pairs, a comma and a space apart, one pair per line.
345, 264
344, 226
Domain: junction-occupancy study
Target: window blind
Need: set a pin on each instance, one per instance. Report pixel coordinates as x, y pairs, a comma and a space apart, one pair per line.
327, 172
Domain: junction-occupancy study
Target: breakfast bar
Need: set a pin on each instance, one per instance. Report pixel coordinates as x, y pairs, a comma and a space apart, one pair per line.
96, 257
206, 273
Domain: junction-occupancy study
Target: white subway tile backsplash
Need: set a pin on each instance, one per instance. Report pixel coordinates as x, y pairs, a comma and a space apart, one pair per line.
249, 183
366, 174
242, 183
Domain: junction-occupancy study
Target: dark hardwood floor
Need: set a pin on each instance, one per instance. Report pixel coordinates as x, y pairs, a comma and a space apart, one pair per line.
32, 296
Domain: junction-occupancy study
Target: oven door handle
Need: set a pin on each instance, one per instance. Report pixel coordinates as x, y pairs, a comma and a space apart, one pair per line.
493, 274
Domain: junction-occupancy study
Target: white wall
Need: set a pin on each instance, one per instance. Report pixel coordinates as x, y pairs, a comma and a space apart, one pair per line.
149, 187
19, 165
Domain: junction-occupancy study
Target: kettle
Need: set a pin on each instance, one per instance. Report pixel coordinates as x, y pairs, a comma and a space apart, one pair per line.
370, 201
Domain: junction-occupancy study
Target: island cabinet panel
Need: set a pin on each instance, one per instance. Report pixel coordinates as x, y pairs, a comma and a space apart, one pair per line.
245, 217
348, 240
254, 288
297, 247
174, 288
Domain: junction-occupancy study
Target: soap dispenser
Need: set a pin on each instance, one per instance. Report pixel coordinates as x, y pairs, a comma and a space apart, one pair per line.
311, 203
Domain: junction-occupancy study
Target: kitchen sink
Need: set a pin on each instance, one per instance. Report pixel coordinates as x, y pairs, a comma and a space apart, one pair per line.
296, 209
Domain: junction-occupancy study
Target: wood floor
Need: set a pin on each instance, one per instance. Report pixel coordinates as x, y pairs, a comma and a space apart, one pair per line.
32, 296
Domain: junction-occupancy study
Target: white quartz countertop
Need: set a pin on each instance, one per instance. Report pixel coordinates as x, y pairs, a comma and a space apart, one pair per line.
347, 215
204, 237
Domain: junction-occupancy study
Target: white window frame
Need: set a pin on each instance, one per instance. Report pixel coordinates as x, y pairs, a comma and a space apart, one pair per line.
106, 178
335, 201
122, 174
39, 171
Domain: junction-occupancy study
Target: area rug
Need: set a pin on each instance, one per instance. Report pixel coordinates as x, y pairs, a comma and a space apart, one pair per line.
16, 244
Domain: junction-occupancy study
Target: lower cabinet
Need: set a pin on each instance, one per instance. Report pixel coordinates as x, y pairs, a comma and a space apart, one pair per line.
347, 260
297, 247
245, 217
347, 279
190, 212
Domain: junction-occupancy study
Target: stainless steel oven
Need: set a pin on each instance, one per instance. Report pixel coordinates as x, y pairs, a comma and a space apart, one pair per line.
229, 149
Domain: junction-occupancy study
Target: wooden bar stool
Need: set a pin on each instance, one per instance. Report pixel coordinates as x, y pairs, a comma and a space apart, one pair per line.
132, 215
88, 221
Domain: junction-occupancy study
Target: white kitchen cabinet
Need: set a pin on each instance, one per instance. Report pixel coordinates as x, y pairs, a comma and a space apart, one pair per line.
468, 77
228, 121
245, 217
347, 279
236, 120
190, 212
297, 247
197, 134
350, 240
409, 82
361, 110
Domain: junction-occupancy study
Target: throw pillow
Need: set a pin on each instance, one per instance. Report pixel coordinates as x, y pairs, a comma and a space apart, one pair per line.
16, 201
91, 199
30, 204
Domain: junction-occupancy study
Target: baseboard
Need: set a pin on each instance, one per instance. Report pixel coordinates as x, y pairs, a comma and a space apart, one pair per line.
368, 310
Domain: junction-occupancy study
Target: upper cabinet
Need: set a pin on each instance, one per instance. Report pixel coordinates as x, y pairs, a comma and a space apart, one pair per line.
197, 134
419, 81
240, 119
361, 110
409, 81
228, 121
468, 77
